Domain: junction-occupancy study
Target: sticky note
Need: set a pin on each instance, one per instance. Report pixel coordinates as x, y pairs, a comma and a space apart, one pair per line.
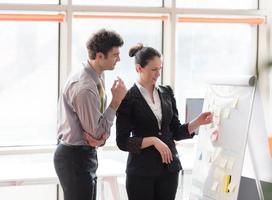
215, 136
212, 100
227, 180
270, 145
216, 152
217, 112
197, 183
230, 163
223, 162
235, 103
212, 125
226, 113
218, 173
200, 156
209, 107
216, 120
209, 157
214, 186
231, 187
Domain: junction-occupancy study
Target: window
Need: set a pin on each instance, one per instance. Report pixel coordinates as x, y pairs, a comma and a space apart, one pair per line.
30, 76
149, 3
28, 82
29, 79
30, 1
222, 4
212, 48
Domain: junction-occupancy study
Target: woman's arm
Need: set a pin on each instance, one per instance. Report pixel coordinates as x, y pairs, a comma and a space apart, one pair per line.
124, 128
180, 131
184, 131
163, 149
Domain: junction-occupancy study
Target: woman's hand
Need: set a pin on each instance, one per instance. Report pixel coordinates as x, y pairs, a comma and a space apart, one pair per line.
202, 119
205, 118
164, 150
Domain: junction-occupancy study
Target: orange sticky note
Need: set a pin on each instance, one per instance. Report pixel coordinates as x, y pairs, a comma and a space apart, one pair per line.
270, 145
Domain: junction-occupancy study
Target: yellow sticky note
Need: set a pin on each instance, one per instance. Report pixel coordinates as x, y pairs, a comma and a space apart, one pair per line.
235, 103
226, 113
227, 180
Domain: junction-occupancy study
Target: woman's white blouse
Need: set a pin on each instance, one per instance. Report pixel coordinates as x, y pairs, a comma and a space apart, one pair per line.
156, 106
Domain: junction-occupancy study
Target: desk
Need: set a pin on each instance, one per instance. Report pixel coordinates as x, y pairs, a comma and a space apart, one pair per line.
108, 171
44, 173
187, 158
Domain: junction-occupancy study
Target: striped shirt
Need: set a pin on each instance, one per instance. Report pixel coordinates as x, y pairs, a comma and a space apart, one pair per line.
79, 109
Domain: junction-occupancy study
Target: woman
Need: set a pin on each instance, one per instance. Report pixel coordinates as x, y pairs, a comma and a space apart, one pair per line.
147, 125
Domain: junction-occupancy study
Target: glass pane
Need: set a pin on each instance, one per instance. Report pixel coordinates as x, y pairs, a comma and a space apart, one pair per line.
144, 3
30, 1
223, 4
203, 49
28, 83
149, 32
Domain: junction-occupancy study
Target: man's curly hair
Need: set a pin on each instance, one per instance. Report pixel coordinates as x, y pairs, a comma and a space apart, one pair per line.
103, 41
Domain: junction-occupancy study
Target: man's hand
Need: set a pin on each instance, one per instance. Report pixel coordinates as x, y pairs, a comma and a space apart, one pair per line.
96, 142
118, 91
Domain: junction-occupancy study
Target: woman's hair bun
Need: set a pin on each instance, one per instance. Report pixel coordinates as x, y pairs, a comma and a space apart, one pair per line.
133, 50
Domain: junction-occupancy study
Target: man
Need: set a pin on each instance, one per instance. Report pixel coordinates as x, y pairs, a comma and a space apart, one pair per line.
83, 121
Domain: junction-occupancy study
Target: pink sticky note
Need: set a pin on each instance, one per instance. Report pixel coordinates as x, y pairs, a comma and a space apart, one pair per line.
215, 136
